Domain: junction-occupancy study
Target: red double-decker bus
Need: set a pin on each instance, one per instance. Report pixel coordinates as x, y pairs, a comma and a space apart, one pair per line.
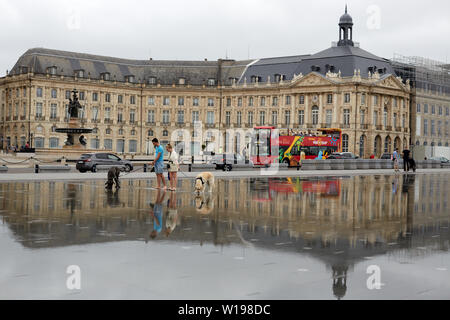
271, 145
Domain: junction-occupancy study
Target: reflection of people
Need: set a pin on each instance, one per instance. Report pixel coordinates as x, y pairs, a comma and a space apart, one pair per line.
159, 164
173, 167
339, 281
172, 214
157, 214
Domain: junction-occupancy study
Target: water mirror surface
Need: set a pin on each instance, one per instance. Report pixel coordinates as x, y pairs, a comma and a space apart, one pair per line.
257, 238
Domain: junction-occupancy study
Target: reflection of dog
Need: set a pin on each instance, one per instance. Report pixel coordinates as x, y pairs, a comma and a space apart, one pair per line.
204, 179
204, 205
412, 165
113, 178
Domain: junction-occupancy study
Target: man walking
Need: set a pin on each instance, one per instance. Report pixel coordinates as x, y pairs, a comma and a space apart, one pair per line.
406, 160
159, 164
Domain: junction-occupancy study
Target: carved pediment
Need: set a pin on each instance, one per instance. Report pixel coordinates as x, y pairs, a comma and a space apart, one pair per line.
392, 83
312, 79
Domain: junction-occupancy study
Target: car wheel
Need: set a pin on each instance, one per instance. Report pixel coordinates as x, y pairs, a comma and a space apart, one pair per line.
228, 167
94, 169
128, 168
82, 171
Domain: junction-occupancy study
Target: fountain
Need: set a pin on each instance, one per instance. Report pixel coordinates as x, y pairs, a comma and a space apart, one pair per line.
75, 134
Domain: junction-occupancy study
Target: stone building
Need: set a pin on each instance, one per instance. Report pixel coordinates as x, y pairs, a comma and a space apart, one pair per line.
129, 102
430, 111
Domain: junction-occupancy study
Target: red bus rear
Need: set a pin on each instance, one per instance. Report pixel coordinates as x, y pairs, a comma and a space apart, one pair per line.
269, 145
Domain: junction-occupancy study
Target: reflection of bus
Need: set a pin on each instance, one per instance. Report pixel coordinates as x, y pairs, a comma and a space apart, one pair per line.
265, 190
270, 145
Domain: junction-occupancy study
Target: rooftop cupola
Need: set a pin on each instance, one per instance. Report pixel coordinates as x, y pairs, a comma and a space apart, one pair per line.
346, 30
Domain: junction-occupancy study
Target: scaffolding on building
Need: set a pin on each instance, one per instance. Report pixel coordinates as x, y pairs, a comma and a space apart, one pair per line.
427, 74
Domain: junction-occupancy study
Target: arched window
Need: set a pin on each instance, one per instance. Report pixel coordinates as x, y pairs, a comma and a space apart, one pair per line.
387, 145
315, 115
417, 143
150, 133
425, 143
433, 144
165, 133
344, 143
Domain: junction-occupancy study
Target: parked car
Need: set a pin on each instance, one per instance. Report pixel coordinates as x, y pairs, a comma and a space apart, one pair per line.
90, 161
386, 156
225, 161
441, 159
342, 155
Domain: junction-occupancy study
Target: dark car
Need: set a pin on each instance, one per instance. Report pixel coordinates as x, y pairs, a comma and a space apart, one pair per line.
386, 156
90, 161
225, 161
342, 155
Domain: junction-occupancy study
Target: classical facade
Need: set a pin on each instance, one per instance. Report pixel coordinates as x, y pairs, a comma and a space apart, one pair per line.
129, 102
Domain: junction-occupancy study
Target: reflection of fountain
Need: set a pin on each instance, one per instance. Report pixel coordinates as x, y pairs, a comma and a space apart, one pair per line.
340, 281
75, 137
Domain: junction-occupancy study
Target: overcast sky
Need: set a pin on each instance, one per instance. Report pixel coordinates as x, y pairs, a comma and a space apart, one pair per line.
198, 29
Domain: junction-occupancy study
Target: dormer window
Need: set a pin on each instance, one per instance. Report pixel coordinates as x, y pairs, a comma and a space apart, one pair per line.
106, 76
315, 68
79, 73
255, 79
152, 80
23, 69
181, 81
52, 71
129, 79
211, 82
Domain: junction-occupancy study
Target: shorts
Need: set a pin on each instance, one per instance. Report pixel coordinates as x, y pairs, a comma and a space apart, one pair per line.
159, 167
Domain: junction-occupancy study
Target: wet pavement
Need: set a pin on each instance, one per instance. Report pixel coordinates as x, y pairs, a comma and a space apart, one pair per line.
253, 238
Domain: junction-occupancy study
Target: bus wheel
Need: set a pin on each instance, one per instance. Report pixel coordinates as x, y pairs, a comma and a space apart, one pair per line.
287, 161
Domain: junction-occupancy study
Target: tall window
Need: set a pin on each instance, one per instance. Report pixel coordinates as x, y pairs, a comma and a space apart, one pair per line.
132, 146
329, 117
39, 92
195, 116
108, 144
120, 115
195, 102
301, 117
262, 118
418, 108
132, 116
119, 98
107, 113
108, 97
54, 94
274, 118
425, 127
210, 102
95, 96
53, 111
344, 143
181, 101
250, 102
425, 108
288, 100
263, 101
347, 98
151, 116
151, 101
375, 118
228, 118
375, 100
433, 128
330, 99
180, 116
39, 109
385, 117
132, 99
287, 117
39, 142
404, 121
302, 100
95, 144
239, 118
239, 102
363, 99
362, 117
166, 101
228, 102
166, 117
347, 117
275, 101
54, 143
210, 117
315, 115
250, 118
395, 120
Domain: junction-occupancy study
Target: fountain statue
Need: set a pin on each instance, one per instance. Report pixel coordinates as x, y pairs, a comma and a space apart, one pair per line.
75, 133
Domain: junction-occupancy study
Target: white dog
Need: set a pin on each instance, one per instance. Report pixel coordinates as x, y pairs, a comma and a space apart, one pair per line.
204, 179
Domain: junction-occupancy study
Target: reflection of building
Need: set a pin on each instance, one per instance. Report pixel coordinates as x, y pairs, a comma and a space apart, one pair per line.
128, 102
368, 216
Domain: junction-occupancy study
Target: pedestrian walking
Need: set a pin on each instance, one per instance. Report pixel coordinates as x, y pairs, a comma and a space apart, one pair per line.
158, 164
406, 160
173, 168
395, 158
